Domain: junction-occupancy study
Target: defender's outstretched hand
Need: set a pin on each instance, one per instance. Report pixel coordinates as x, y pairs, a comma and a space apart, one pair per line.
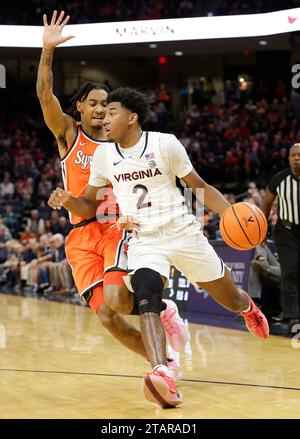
52, 32
127, 223
58, 197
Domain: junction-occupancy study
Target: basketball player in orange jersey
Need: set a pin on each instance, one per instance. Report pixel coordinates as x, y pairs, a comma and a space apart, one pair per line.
95, 251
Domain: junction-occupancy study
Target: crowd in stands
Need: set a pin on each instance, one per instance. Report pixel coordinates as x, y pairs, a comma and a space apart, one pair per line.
227, 7
93, 11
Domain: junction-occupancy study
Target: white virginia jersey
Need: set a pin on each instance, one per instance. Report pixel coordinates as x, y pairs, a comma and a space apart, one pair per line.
144, 178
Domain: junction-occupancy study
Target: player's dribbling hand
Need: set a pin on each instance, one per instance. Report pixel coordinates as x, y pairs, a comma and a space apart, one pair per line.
58, 197
127, 223
52, 32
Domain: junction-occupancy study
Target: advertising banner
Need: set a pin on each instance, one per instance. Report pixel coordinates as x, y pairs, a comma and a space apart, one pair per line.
146, 31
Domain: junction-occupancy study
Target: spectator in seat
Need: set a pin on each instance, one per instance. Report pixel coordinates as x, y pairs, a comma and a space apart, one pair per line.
3, 247
35, 222
59, 269
7, 188
64, 226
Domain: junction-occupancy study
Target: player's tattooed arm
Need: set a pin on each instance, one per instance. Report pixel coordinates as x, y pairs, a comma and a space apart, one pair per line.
55, 118
213, 199
52, 37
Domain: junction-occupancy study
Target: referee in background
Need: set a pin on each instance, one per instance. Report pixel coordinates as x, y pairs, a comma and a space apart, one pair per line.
286, 186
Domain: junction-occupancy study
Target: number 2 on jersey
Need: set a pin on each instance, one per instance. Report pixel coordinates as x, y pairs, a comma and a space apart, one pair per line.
140, 204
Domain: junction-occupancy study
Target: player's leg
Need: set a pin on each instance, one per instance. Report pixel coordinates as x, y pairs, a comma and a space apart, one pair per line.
120, 299
197, 259
116, 324
148, 271
148, 288
123, 331
88, 273
159, 387
225, 292
113, 248
116, 294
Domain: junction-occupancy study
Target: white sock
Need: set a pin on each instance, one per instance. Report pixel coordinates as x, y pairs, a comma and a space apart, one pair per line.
247, 309
250, 304
161, 367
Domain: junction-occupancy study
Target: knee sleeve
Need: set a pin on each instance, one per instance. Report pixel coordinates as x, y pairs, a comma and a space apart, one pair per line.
148, 287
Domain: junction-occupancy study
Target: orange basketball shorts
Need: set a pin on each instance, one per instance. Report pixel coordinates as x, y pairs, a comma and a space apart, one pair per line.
94, 252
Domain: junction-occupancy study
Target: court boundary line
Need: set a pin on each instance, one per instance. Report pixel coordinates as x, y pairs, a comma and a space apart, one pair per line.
187, 380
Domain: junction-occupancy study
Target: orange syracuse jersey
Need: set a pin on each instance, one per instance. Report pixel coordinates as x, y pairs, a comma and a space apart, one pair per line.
76, 170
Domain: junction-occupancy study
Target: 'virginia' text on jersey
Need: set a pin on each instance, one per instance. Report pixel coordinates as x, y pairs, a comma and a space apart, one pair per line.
138, 175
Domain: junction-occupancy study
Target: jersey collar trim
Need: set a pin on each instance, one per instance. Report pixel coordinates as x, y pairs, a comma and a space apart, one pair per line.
146, 144
144, 149
118, 150
92, 138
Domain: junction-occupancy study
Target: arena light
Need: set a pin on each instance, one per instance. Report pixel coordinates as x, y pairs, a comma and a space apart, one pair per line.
151, 31
162, 60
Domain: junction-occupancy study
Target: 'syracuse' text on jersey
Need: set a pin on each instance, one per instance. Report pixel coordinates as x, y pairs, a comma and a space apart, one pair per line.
144, 178
287, 188
76, 166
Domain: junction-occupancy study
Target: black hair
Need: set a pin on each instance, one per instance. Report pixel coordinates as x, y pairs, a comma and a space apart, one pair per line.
82, 94
133, 100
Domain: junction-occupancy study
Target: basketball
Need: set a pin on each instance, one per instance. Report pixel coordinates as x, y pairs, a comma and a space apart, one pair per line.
243, 226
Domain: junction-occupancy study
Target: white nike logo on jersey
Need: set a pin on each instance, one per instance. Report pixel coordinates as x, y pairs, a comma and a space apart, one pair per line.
82, 143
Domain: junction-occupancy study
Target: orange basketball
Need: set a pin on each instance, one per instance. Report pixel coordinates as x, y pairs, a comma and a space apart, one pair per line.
243, 226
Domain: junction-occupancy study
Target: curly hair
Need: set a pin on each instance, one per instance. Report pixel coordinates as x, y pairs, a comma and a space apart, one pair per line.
133, 100
82, 94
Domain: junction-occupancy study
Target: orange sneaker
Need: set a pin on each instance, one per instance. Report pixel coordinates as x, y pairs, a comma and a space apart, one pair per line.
174, 326
256, 321
161, 389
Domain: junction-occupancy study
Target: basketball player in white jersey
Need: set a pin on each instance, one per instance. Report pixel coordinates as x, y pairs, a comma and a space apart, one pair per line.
142, 168
94, 250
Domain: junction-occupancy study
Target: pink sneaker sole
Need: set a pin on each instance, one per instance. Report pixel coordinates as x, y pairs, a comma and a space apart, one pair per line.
157, 391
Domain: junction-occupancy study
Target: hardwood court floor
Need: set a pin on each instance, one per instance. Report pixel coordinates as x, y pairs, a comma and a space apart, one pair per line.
56, 361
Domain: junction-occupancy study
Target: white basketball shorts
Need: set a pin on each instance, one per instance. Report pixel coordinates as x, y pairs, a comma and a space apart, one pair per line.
181, 245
